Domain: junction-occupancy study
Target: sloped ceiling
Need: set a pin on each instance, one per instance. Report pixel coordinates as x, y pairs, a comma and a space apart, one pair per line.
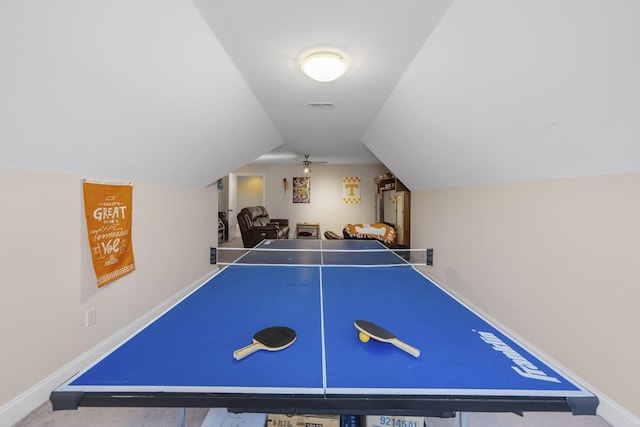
488, 92
120, 89
508, 91
378, 38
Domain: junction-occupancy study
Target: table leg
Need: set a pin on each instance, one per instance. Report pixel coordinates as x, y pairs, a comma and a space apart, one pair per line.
464, 419
182, 412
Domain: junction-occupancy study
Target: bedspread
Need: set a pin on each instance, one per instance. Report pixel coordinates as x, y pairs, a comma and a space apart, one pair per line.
379, 231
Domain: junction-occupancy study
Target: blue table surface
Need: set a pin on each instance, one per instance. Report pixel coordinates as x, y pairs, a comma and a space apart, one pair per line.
191, 346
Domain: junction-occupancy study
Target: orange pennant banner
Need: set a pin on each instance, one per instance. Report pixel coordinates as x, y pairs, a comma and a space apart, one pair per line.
108, 210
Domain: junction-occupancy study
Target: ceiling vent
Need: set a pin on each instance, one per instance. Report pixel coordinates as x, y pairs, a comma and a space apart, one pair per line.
322, 104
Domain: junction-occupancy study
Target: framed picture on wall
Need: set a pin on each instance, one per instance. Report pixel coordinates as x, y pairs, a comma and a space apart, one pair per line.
302, 189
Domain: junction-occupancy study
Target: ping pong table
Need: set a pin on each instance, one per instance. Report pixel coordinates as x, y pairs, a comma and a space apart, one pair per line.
319, 288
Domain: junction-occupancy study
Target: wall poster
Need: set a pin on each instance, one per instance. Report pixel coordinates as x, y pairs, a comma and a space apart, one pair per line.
108, 210
302, 189
351, 189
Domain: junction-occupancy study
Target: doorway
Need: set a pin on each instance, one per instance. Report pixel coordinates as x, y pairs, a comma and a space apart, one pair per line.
239, 191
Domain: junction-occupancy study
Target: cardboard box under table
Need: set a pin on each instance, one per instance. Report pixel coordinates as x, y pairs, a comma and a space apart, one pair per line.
395, 421
282, 420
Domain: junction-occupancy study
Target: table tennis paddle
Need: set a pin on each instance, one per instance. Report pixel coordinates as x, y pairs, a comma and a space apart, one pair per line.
379, 333
273, 338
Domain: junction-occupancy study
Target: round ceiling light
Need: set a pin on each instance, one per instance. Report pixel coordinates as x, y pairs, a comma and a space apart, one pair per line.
323, 66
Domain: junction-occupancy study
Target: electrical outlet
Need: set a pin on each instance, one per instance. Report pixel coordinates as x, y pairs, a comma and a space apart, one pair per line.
90, 317
429, 256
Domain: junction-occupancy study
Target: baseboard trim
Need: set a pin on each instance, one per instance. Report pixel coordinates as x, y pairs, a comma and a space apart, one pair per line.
610, 411
35, 396
614, 414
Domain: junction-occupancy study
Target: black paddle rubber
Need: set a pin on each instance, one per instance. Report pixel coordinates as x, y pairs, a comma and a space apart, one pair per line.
374, 330
381, 334
275, 336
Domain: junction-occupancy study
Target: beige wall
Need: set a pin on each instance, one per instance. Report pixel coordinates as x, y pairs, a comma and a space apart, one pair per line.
249, 190
47, 282
553, 261
326, 205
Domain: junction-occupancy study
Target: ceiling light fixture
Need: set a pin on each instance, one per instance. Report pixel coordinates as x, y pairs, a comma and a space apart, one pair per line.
306, 165
323, 66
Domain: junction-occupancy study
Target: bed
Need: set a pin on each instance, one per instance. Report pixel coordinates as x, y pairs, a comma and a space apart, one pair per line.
378, 231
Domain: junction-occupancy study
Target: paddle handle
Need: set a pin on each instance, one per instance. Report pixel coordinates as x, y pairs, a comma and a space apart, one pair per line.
406, 347
243, 352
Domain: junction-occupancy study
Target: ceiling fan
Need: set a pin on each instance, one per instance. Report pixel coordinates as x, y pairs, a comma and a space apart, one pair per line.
306, 163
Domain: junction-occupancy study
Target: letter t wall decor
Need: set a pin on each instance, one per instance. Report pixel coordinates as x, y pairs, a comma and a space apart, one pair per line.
351, 189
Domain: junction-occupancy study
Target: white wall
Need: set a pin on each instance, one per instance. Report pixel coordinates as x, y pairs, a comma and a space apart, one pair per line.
491, 98
138, 90
47, 278
555, 261
326, 205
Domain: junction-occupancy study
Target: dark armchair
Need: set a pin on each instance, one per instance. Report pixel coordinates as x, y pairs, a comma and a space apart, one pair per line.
256, 226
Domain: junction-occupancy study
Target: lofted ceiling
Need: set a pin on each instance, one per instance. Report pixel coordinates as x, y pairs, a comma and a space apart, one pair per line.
448, 93
265, 40
443, 93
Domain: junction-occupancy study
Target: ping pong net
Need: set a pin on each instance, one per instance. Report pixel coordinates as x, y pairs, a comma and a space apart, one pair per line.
383, 257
